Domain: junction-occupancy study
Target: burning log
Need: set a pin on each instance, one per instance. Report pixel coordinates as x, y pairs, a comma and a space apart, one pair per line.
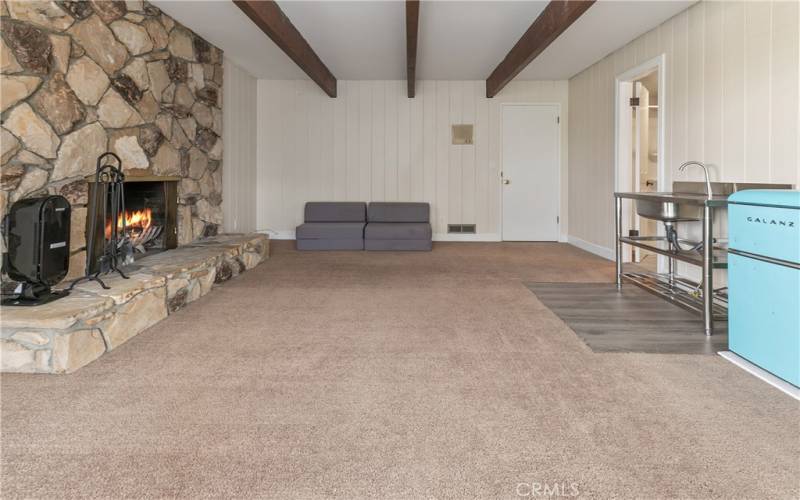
139, 241
138, 227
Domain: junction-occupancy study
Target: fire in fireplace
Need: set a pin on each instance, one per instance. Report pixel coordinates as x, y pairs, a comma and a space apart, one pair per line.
149, 223
138, 228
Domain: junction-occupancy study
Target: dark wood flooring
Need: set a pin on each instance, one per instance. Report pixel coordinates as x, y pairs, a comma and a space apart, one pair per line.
628, 321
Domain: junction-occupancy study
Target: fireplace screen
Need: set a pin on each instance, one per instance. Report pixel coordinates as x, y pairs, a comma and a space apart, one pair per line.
149, 223
145, 217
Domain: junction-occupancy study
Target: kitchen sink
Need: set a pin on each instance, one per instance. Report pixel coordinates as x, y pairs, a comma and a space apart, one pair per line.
668, 211
687, 200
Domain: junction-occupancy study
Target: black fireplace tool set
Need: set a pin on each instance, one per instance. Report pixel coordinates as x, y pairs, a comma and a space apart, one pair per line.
108, 179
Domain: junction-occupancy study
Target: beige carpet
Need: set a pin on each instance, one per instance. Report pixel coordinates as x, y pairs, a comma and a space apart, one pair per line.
395, 375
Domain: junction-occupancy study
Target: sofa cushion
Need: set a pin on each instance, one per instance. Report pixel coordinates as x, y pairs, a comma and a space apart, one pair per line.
330, 230
335, 211
398, 212
398, 231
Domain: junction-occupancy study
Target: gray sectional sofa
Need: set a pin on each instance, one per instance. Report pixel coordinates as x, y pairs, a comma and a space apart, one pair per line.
353, 226
398, 226
332, 226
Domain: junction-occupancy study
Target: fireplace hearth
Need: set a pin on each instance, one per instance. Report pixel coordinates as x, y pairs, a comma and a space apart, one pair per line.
149, 223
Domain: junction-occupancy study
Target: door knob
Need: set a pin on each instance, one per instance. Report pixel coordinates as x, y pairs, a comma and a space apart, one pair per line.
506, 181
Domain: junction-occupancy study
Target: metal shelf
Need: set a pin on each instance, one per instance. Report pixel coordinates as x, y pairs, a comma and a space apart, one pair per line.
680, 293
712, 257
659, 245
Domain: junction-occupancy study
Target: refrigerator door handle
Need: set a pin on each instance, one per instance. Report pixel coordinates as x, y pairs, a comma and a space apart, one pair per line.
764, 258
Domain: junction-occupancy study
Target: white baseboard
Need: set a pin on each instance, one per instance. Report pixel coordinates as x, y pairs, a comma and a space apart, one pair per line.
764, 375
289, 235
606, 253
277, 235
466, 237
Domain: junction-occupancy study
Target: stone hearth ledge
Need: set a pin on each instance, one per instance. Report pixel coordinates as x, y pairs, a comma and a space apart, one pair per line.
65, 335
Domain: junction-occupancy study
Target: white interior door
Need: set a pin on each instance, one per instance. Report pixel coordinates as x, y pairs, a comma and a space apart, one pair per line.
530, 172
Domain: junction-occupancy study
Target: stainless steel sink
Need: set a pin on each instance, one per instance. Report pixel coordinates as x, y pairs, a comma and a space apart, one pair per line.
687, 200
668, 211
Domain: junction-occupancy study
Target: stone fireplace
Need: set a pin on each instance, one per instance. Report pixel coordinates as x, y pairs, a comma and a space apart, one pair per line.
150, 218
83, 78
80, 79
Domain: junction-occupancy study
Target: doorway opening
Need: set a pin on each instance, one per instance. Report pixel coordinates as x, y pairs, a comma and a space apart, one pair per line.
639, 150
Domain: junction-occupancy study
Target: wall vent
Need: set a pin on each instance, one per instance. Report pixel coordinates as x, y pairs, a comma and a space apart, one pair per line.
461, 228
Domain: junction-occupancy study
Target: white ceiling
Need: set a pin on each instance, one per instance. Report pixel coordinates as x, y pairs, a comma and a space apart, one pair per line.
357, 40
605, 27
465, 40
458, 39
223, 24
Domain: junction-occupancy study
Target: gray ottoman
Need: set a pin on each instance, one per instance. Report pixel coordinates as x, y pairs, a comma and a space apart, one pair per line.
332, 225
398, 226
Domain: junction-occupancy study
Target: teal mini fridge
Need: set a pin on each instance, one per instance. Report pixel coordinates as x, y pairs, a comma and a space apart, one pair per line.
764, 280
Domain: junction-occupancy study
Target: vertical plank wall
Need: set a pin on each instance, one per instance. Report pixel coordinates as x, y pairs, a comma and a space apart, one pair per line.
372, 143
732, 101
239, 152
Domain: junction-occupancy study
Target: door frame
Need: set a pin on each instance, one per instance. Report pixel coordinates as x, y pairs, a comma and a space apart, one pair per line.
557, 105
622, 162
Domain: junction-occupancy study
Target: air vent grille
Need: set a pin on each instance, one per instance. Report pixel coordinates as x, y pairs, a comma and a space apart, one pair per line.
461, 228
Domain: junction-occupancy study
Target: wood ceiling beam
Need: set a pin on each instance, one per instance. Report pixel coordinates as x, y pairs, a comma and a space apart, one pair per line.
412, 28
554, 20
268, 16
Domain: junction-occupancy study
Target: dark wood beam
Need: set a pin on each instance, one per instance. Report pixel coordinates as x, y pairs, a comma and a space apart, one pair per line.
554, 20
272, 21
412, 27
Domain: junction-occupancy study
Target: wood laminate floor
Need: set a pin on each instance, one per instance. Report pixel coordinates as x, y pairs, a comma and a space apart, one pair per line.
628, 321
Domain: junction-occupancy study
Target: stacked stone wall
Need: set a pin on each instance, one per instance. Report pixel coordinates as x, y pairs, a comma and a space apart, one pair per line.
83, 77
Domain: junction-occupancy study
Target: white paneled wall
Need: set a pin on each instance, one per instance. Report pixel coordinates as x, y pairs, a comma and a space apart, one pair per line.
239, 139
372, 143
732, 100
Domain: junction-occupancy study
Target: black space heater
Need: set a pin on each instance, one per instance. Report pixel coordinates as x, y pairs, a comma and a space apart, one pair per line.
36, 232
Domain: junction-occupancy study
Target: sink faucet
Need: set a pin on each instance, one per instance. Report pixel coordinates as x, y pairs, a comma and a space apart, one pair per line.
705, 171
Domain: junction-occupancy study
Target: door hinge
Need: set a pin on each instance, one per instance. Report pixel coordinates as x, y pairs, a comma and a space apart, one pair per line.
558, 219
558, 119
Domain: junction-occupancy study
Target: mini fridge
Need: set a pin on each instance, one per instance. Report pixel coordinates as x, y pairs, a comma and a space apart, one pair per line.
764, 280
